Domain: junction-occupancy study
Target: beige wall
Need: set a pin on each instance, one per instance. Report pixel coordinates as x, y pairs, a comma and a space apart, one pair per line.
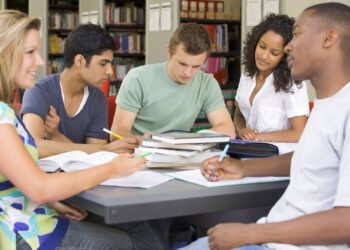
292, 8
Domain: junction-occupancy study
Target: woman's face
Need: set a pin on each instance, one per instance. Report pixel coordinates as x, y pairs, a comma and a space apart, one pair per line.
269, 52
26, 76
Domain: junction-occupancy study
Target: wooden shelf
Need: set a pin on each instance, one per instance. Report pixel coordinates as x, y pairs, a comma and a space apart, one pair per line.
126, 27
127, 54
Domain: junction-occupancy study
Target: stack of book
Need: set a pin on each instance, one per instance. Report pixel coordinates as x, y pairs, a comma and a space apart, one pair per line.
181, 149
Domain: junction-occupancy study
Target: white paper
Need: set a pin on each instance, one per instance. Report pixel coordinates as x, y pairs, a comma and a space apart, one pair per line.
253, 12
165, 16
154, 14
140, 179
85, 17
195, 176
271, 6
94, 17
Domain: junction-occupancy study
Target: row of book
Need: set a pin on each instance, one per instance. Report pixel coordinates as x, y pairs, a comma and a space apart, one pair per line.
128, 42
218, 67
56, 44
55, 65
218, 37
124, 14
121, 67
63, 20
211, 9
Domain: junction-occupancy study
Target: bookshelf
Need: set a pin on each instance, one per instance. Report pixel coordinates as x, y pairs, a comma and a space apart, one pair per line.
21, 5
63, 16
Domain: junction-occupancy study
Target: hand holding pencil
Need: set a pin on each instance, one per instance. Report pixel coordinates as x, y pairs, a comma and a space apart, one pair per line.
215, 169
123, 145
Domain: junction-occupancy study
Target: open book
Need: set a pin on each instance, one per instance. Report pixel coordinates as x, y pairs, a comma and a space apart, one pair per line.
78, 160
74, 160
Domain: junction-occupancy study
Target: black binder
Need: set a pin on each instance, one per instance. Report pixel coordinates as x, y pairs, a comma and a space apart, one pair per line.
249, 149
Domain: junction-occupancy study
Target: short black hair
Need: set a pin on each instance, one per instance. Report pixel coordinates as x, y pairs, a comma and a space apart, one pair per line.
87, 40
282, 25
335, 14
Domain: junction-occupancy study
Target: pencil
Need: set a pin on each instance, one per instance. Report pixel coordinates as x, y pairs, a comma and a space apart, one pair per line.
223, 154
112, 133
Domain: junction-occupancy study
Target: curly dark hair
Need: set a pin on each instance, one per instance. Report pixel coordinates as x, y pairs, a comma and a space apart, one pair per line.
282, 25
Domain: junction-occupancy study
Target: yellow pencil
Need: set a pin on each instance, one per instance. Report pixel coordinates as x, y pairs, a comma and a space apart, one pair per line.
112, 133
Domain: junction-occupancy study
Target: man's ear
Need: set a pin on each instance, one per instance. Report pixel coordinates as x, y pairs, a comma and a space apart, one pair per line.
79, 61
330, 38
168, 52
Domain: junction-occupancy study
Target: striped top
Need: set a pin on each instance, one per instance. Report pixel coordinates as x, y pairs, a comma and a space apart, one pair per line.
40, 226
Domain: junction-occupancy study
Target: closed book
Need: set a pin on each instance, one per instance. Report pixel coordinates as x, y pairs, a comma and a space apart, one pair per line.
148, 142
183, 138
167, 151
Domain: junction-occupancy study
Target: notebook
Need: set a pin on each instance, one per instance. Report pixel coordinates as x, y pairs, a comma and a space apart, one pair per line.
148, 142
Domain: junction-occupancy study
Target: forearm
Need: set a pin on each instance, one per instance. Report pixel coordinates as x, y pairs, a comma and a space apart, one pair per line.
60, 137
271, 166
239, 123
322, 228
226, 129
124, 132
288, 135
59, 186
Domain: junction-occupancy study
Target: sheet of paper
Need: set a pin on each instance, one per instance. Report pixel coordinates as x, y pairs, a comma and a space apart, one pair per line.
140, 179
271, 6
94, 17
253, 14
165, 16
195, 176
154, 15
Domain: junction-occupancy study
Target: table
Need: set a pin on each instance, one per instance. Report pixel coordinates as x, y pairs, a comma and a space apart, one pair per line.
173, 199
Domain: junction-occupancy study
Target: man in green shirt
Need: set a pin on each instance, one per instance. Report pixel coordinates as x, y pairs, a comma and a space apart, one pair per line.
169, 96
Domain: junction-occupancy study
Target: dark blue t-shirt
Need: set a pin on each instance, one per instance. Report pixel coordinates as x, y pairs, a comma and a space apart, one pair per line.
88, 123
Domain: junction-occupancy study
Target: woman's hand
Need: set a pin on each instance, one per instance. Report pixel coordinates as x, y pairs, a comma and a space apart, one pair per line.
68, 211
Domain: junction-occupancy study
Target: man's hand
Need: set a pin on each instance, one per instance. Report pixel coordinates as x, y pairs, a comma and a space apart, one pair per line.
125, 145
69, 212
229, 235
228, 169
51, 124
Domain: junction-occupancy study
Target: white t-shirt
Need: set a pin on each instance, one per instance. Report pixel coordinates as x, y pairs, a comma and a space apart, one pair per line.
320, 168
270, 110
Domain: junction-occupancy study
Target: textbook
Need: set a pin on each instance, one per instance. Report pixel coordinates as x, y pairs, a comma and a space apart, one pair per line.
148, 142
165, 151
74, 160
183, 138
78, 160
195, 176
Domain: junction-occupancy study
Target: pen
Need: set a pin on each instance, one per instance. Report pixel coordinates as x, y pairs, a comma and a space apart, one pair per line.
112, 133
143, 155
222, 155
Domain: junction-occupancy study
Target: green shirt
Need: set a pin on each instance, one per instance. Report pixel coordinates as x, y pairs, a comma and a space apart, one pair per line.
162, 104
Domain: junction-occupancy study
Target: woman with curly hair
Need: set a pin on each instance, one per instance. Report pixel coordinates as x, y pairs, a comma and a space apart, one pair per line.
270, 106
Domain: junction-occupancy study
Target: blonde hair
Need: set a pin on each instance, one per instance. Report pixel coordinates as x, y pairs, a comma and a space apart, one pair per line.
14, 26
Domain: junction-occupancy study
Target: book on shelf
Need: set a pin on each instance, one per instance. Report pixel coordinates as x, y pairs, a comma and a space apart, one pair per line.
148, 142
211, 8
183, 138
220, 10
79, 160
195, 176
184, 7
193, 9
202, 6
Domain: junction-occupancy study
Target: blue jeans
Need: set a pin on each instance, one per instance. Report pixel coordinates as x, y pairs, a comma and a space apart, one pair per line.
92, 236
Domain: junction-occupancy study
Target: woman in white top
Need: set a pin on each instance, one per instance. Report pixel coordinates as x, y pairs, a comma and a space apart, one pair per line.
270, 106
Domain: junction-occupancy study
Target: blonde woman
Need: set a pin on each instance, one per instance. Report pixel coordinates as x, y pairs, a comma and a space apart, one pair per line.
25, 223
